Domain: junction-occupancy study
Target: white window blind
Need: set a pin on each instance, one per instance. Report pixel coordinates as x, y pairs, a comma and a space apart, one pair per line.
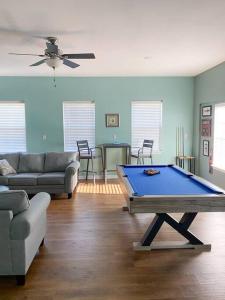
79, 123
219, 137
146, 122
12, 127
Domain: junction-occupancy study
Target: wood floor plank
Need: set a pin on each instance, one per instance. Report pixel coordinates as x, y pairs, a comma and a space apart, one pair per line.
88, 255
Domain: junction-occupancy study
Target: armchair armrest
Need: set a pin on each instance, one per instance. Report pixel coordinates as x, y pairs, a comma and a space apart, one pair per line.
6, 217
23, 223
72, 168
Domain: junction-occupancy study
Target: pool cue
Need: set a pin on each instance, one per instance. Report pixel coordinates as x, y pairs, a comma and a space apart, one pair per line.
176, 142
177, 159
178, 137
178, 134
183, 139
180, 140
181, 162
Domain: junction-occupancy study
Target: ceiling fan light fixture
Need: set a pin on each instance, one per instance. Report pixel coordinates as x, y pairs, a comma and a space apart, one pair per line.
54, 62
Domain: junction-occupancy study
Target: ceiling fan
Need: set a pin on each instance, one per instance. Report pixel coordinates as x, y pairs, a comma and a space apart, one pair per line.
54, 57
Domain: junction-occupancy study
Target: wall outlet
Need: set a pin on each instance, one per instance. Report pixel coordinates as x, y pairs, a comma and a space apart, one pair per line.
44, 137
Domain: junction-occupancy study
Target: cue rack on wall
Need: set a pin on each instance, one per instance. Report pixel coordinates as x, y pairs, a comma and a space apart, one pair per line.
182, 160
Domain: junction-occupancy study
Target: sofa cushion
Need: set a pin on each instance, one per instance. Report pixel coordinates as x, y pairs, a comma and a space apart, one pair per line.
12, 158
3, 180
6, 168
51, 178
23, 179
31, 163
16, 201
57, 162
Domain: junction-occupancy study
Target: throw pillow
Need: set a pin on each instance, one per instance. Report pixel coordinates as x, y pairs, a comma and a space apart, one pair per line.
6, 168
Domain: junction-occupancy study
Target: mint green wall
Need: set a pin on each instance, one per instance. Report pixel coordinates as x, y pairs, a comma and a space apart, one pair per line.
209, 89
111, 94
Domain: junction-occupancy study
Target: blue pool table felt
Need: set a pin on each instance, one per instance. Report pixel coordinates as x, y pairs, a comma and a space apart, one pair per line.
170, 181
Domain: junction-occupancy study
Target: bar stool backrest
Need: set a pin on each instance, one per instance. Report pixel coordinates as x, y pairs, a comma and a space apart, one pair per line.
83, 147
148, 144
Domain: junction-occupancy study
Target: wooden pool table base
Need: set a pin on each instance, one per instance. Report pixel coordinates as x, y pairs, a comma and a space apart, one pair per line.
181, 227
137, 246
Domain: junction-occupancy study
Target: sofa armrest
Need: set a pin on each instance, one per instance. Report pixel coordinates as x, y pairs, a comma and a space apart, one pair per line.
72, 168
23, 223
71, 175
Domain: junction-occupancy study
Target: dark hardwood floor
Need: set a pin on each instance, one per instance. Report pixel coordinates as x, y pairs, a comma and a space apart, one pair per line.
88, 255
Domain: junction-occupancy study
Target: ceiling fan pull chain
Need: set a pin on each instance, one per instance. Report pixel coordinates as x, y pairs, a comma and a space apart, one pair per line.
54, 81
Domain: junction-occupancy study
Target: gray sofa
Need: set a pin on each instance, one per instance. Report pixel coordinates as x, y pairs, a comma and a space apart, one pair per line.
22, 231
50, 172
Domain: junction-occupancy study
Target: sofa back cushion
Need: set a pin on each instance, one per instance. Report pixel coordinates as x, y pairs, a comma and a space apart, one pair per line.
12, 158
58, 161
16, 201
31, 163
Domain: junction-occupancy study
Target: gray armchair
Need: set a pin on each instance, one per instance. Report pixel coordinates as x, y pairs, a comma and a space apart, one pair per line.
22, 231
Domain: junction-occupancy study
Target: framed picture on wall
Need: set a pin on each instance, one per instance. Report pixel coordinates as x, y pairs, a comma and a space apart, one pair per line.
112, 120
205, 148
207, 111
206, 127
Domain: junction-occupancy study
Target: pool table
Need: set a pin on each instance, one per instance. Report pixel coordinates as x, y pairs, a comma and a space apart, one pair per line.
172, 190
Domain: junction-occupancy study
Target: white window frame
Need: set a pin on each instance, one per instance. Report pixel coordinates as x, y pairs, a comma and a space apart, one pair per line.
12, 146
70, 141
216, 163
138, 143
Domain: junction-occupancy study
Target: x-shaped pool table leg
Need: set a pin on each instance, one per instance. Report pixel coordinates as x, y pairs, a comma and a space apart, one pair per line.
181, 227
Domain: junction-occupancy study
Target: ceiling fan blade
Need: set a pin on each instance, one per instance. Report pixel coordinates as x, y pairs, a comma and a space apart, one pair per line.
40, 55
69, 63
38, 63
80, 56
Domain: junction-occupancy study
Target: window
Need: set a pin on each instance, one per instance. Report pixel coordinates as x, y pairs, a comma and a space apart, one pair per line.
146, 122
79, 123
219, 137
12, 127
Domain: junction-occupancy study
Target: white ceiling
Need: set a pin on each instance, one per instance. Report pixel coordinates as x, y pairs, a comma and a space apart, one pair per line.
128, 37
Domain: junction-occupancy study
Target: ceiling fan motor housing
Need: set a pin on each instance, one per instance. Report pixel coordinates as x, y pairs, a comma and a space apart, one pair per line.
52, 49
51, 39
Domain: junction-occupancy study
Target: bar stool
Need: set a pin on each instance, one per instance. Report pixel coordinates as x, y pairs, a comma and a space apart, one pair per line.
143, 152
85, 152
